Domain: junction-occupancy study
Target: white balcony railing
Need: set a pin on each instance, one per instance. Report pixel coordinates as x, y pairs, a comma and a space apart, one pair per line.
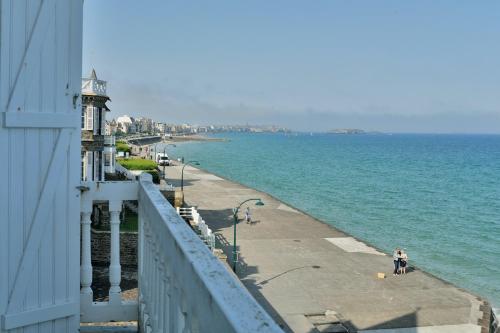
115, 309
206, 234
94, 87
183, 287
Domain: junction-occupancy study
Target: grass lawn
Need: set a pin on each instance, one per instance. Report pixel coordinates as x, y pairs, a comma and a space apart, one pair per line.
137, 164
122, 146
130, 222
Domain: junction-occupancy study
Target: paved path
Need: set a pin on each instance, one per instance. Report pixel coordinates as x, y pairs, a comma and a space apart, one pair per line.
309, 275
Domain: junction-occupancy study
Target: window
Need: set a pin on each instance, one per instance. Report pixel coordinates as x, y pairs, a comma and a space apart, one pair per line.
100, 130
107, 159
83, 117
83, 167
96, 120
98, 162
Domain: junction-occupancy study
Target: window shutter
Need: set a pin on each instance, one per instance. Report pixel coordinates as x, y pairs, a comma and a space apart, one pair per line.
90, 118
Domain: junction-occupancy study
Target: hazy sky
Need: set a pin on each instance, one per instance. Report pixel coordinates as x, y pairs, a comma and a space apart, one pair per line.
401, 66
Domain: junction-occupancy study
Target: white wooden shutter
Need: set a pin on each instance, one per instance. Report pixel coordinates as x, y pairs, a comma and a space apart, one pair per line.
90, 118
40, 118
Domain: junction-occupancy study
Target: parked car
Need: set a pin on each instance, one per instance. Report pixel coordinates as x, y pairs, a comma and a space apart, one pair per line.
162, 159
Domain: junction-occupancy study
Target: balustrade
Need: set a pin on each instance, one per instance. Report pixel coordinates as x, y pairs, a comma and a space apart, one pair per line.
182, 285
115, 267
86, 265
116, 309
91, 86
206, 234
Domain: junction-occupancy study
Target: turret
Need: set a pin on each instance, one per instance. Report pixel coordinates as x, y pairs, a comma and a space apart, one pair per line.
95, 157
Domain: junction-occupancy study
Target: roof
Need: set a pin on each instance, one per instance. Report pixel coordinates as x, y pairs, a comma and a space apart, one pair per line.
93, 75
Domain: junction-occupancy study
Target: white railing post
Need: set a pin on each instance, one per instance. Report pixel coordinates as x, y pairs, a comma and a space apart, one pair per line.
174, 307
161, 299
116, 309
167, 295
86, 264
145, 282
115, 270
153, 315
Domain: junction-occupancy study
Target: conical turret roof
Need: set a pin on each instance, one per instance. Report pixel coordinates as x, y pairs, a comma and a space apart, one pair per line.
93, 75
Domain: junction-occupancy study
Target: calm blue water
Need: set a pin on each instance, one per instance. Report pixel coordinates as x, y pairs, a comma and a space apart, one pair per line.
436, 195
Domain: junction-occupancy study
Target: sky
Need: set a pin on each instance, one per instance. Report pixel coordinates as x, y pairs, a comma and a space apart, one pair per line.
393, 66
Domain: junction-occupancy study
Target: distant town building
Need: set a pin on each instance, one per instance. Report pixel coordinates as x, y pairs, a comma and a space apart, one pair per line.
110, 127
124, 124
160, 128
144, 125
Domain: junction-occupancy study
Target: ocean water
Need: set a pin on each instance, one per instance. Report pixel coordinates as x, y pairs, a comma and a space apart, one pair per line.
438, 196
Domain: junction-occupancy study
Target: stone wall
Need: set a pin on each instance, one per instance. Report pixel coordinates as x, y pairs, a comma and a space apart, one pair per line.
175, 198
101, 248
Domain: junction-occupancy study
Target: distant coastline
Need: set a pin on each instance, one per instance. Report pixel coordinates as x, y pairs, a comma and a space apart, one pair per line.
351, 131
194, 137
346, 131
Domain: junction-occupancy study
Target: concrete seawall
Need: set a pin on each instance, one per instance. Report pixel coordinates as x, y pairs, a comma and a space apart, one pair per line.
312, 277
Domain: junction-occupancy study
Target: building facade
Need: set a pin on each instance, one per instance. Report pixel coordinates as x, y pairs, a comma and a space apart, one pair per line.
98, 149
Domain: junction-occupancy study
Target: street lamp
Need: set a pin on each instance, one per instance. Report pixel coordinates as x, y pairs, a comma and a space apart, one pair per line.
235, 221
164, 161
182, 173
164, 154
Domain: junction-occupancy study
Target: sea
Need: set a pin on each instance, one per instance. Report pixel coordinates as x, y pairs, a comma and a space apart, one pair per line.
437, 196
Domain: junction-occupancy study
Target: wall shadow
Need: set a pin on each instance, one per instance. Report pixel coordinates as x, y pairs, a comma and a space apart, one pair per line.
408, 321
221, 219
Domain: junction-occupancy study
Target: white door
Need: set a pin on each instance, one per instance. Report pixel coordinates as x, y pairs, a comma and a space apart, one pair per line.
40, 119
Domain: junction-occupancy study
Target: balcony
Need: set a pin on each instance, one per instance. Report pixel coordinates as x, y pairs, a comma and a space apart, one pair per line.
182, 286
109, 140
92, 141
93, 87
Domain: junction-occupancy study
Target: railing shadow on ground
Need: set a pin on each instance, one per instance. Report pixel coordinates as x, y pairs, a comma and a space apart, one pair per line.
243, 271
408, 322
177, 182
100, 282
219, 219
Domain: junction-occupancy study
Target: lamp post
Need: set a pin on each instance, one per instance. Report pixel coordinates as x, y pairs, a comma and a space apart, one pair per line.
164, 162
235, 222
182, 173
164, 154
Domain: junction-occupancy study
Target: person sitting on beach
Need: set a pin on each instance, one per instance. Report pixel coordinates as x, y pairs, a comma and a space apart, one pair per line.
248, 218
403, 262
396, 258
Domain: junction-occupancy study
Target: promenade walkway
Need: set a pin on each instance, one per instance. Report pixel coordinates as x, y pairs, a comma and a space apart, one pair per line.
309, 276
